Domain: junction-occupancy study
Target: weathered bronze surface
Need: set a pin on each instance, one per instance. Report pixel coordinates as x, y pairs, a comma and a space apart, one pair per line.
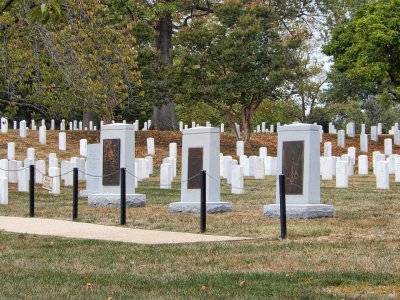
293, 166
111, 161
195, 165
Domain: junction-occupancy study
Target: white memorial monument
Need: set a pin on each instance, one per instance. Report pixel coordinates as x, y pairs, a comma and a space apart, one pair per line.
298, 160
200, 151
117, 144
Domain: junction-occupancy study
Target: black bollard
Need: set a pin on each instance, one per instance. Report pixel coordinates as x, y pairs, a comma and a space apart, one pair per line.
203, 206
123, 196
75, 195
282, 194
32, 191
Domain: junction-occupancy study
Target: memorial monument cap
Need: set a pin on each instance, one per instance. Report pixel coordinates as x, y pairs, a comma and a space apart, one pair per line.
298, 127
198, 130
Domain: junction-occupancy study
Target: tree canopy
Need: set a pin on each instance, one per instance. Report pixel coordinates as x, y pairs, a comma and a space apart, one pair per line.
233, 60
366, 47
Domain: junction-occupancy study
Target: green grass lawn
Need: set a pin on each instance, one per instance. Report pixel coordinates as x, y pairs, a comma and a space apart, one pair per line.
355, 254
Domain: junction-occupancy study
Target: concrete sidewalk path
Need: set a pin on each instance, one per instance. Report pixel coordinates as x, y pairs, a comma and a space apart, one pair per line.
79, 230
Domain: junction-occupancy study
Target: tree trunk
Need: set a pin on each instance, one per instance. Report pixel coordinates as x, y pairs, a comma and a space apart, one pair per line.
90, 116
164, 117
246, 117
231, 123
247, 114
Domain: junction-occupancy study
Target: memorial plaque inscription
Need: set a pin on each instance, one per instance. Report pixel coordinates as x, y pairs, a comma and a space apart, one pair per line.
195, 165
111, 161
293, 166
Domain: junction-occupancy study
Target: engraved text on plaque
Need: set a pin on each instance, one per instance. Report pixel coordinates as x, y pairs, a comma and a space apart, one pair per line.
292, 166
111, 161
195, 165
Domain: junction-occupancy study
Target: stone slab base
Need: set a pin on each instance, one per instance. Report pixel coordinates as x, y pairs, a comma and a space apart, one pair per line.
194, 207
114, 200
300, 211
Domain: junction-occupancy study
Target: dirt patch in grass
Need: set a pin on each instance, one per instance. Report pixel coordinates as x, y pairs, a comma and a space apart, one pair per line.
365, 291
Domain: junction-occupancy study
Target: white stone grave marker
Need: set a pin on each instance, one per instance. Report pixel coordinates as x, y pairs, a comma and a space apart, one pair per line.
388, 146
165, 176
382, 175
62, 141
83, 147
326, 168
12, 171
374, 134
40, 171
3, 191
22, 129
237, 180
362, 165
4, 125
150, 146
327, 149
363, 143
341, 139
239, 148
342, 174
42, 135
11, 151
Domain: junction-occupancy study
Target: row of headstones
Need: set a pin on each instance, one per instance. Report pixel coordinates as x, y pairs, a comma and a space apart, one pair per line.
375, 130
62, 145
341, 140
23, 126
72, 125
168, 167
41, 165
253, 166
343, 167
13, 171
351, 129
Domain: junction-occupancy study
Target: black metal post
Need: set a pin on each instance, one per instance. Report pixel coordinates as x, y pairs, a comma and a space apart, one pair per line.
203, 206
123, 196
282, 194
31, 190
75, 194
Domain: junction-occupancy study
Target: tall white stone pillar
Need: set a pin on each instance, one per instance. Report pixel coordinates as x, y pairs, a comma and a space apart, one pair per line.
200, 151
298, 148
117, 144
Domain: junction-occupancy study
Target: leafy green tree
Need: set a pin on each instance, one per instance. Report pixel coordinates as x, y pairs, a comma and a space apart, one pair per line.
366, 48
233, 60
84, 64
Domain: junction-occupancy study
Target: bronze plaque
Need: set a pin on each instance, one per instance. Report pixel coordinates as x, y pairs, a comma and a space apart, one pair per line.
195, 165
293, 166
111, 161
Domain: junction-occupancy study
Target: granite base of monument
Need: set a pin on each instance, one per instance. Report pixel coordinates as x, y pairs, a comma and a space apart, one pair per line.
300, 211
194, 207
114, 200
